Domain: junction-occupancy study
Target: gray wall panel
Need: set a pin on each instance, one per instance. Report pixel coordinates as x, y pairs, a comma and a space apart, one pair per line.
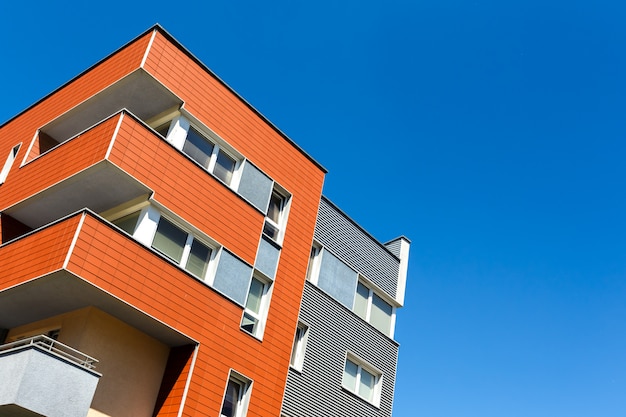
357, 248
334, 330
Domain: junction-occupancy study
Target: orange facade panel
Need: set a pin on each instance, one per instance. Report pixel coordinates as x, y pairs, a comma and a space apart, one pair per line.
60, 163
22, 128
187, 189
111, 261
37, 254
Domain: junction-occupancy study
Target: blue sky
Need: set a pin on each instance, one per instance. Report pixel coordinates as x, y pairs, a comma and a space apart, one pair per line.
490, 133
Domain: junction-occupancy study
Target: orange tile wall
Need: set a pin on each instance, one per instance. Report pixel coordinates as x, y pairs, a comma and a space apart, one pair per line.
187, 189
37, 254
228, 116
22, 128
131, 272
126, 269
59, 164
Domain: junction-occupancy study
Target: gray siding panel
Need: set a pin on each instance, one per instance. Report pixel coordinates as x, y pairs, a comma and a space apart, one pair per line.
333, 331
357, 248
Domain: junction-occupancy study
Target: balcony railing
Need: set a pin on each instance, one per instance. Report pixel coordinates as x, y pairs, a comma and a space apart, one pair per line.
56, 348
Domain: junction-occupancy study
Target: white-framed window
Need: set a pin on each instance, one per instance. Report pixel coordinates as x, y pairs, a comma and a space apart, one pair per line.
182, 247
276, 217
236, 396
9, 163
255, 310
169, 239
299, 346
203, 146
362, 379
372, 308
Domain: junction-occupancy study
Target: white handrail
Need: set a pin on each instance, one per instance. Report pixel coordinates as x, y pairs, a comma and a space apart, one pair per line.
57, 348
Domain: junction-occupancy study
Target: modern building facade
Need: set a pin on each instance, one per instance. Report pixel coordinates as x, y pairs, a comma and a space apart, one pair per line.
167, 251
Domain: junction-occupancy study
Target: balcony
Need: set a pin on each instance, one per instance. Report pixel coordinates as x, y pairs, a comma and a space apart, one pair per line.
44, 377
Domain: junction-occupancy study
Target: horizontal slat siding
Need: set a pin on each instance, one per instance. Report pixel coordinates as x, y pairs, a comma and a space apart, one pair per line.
333, 331
356, 248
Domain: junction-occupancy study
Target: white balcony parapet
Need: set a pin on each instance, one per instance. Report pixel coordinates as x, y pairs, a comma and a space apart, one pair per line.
56, 348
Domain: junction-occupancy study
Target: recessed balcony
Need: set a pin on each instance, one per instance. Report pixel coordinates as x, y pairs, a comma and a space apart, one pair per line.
42, 377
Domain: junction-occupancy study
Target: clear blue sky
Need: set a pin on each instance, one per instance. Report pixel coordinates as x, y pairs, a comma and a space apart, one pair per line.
491, 133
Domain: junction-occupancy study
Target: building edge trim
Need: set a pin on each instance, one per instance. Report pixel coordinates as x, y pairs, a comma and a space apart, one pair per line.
188, 382
74, 240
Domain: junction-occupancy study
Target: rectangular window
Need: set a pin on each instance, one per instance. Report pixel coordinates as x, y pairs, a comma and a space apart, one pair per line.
236, 396
9, 163
169, 240
362, 379
255, 309
210, 155
299, 346
372, 308
181, 247
275, 218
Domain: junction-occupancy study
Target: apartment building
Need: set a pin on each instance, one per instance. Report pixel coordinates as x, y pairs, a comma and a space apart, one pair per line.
167, 251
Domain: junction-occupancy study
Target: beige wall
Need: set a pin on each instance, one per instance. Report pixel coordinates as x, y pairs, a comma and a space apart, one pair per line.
131, 362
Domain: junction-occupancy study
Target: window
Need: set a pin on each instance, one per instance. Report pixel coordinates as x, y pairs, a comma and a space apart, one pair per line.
256, 307
275, 218
372, 308
181, 247
299, 346
200, 147
236, 396
9, 163
362, 379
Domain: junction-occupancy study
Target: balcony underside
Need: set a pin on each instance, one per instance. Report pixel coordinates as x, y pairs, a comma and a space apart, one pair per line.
100, 187
61, 292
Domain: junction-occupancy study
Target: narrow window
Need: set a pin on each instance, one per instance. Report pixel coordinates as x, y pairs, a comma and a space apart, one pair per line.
224, 167
299, 346
361, 301
198, 148
275, 218
373, 308
255, 309
169, 240
380, 315
236, 396
9, 163
198, 260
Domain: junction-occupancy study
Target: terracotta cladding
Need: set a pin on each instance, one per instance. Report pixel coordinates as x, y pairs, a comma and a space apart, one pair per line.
37, 254
187, 189
233, 120
133, 273
23, 127
59, 163
128, 270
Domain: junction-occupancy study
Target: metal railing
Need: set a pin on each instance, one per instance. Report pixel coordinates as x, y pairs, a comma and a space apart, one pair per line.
56, 348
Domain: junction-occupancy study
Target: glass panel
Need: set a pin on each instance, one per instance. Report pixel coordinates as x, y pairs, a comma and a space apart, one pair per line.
349, 375
198, 259
270, 230
198, 147
128, 222
366, 386
276, 205
169, 240
255, 295
360, 301
380, 316
231, 399
249, 323
224, 167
